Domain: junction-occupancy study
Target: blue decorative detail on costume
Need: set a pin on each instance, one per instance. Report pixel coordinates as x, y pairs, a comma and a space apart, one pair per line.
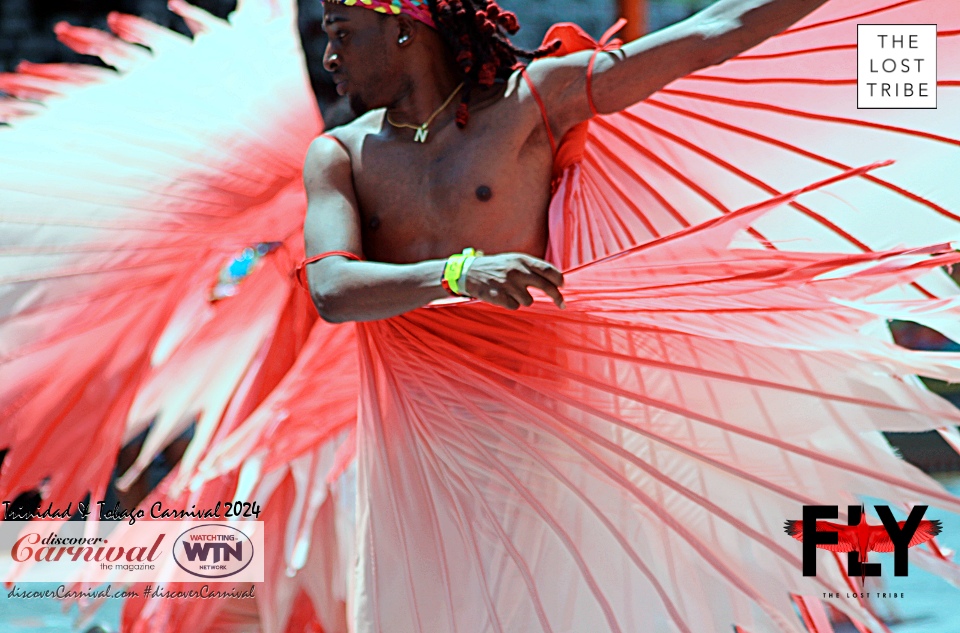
230, 276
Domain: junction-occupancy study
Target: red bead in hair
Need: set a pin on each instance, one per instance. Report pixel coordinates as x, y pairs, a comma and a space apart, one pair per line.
484, 24
488, 73
508, 21
463, 115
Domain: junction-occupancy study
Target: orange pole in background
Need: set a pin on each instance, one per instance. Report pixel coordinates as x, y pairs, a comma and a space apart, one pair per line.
635, 11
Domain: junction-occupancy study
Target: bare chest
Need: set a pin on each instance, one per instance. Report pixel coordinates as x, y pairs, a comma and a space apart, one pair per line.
486, 186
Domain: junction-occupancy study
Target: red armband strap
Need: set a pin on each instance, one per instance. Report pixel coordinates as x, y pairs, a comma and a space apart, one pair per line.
605, 45
302, 266
543, 110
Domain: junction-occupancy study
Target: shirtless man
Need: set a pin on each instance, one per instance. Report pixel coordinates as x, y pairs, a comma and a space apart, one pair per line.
481, 176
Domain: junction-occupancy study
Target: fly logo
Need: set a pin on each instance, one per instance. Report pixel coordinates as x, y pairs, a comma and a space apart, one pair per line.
858, 538
213, 551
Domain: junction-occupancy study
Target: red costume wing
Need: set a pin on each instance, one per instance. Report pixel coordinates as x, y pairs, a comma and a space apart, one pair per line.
131, 198
773, 119
695, 370
881, 542
123, 200
846, 539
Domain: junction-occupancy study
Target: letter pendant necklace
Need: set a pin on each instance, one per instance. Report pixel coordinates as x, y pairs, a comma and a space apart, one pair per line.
423, 130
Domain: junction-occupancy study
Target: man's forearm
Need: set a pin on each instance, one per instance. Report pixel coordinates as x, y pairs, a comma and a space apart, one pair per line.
719, 32
367, 291
733, 26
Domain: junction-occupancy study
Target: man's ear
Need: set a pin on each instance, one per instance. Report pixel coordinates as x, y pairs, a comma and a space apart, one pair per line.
406, 30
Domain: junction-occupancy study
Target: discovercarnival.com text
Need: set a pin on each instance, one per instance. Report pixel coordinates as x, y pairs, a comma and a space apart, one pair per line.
149, 591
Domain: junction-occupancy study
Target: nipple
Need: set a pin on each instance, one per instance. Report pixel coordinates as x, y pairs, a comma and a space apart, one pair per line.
484, 193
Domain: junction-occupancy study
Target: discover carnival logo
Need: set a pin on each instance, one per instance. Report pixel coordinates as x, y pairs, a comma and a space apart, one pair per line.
121, 552
213, 550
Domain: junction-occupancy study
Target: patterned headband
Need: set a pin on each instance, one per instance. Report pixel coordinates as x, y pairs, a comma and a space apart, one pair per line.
417, 9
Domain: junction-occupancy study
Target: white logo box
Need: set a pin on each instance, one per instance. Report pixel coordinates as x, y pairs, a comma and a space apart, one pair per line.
896, 65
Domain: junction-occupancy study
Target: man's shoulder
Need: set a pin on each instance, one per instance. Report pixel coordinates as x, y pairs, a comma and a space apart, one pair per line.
351, 134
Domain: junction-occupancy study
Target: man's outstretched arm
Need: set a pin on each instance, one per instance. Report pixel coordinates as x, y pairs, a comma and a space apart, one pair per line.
347, 290
643, 66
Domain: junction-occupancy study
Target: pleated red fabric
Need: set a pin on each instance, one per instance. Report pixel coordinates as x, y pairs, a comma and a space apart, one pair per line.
732, 247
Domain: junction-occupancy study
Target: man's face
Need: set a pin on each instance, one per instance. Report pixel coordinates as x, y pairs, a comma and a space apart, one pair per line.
359, 55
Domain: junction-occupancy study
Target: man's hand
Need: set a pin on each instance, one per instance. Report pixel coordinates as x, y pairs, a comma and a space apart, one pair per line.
503, 280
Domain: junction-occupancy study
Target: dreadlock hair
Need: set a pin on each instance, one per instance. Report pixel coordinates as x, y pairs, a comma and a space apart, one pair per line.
476, 31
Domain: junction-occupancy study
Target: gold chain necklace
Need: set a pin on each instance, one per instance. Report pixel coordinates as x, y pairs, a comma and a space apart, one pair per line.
422, 131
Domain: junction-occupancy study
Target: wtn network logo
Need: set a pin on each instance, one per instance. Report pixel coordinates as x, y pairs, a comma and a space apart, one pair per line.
213, 551
201, 550
858, 538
